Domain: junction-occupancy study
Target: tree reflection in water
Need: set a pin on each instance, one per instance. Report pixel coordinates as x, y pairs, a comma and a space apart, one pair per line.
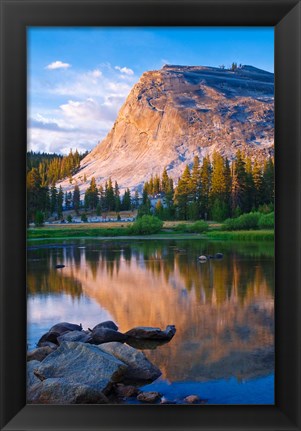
223, 309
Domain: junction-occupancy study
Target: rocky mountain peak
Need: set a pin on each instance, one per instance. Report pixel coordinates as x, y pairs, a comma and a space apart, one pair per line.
177, 112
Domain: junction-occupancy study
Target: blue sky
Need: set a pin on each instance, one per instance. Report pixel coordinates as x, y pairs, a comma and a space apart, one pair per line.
78, 78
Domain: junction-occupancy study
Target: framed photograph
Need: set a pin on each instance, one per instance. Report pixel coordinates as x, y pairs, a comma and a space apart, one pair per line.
150, 215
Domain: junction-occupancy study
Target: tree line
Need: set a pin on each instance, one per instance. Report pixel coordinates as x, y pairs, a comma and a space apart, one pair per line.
54, 167
212, 190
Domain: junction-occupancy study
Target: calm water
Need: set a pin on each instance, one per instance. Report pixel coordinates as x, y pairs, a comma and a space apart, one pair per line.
223, 310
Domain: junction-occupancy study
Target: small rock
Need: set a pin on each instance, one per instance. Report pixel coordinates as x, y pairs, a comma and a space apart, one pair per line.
39, 354
167, 401
146, 332
219, 255
192, 399
126, 391
202, 258
106, 335
149, 397
108, 324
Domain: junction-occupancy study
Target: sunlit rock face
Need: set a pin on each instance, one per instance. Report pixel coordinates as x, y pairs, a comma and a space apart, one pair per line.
177, 112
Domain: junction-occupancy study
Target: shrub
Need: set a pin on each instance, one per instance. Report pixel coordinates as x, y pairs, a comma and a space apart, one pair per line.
69, 218
84, 218
243, 222
39, 219
146, 225
266, 208
199, 226
181, 227
266, 221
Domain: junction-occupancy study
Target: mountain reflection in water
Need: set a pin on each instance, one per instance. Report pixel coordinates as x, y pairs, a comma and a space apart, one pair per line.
223, 309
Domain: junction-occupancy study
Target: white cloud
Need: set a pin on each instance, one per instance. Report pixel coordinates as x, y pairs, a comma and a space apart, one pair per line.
125, 70
91, 83
87, 106
58, 65
96, 73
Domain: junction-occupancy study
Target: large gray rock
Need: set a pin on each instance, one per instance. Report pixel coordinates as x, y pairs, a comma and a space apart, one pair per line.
150, 333
31, 378
75, 336
49, 344
139, 367
64, 327
61, 391
39, 354
107, 324
56, 331
49, 337
106, 335
81, 364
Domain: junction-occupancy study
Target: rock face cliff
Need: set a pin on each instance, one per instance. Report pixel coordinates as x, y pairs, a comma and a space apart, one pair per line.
177, 112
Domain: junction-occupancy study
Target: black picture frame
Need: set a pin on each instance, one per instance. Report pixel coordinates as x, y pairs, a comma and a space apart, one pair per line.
284, 15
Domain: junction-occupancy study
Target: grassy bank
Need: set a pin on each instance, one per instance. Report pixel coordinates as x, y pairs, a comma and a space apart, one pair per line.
97, 230
242, 235
74, 232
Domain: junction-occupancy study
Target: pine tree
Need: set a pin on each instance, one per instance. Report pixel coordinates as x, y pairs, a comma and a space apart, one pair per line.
36, 194
205, 188
53, 199
60, 200
258, 184
126, 200
76, 199
109, 196
196, 179
145, 207
117, 197
157, 188
150, 186
250, 204
102, 198
165, 181
183, 194
91, 195
136, 200
268, 181
239, 176
159, 210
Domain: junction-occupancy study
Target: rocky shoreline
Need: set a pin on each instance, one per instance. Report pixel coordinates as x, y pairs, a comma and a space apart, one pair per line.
95, 366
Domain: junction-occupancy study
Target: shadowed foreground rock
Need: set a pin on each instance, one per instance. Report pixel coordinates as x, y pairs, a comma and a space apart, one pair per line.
31, 378
79, 370
139, 367
107, 324
40, 353
60, 391
56, 331
149, 333
106, 335
75, 336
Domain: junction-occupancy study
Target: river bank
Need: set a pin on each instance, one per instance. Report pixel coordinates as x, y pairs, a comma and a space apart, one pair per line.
99, 231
